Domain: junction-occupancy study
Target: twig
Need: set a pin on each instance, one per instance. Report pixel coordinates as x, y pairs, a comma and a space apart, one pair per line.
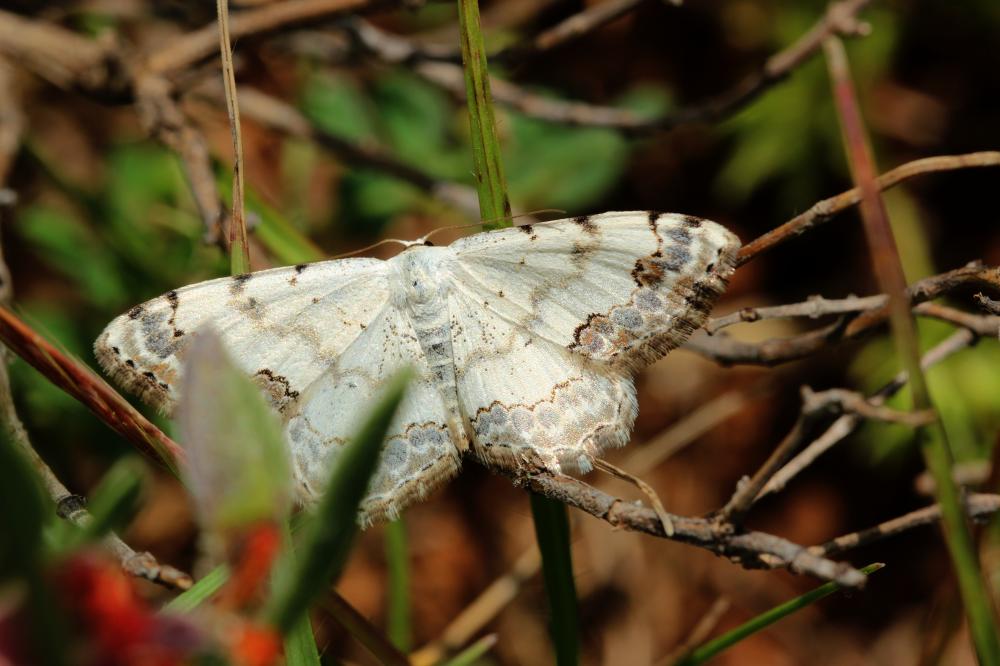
503, 590
569, 29
699, 634
814, 307
68, 505
83, 384
935, 445
394, 49
188, 49
65, 58
978, 506
840, 18
848, 423
645, 488
238, 246
814, 407
988, 304
728, 351
826, 209
750, 549
481, 611
163, 119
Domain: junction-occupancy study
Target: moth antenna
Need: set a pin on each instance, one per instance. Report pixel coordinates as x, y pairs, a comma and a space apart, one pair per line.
426, 237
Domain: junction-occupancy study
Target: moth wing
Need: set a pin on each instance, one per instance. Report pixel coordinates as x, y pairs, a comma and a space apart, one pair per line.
618, 288
419, 453
528, 401
282, 326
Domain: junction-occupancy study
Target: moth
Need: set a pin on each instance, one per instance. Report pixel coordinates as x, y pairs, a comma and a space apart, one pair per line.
524, 341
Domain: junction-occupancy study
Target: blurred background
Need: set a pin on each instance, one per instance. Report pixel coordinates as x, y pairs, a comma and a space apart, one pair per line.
105, 219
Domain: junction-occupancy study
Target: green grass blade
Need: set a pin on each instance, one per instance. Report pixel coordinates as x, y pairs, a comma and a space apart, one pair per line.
551, 520
552, 532
330, 532
208, 585
275, 232
363, 631
397, 557
473, 653
494, 207
112, 504
712, 648
300, 644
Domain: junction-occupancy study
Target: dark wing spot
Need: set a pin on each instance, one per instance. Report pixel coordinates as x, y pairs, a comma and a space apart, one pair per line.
301, 267
239, 282
586, 224
648, 272
653, 217
692, 222
526, 228
130, 363
135, 312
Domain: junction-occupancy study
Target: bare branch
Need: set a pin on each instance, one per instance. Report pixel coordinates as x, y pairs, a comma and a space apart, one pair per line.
848, 423
814, 307
70, 506
978, 507
192, 47
728, 351
750, 549
163, 119
826, 209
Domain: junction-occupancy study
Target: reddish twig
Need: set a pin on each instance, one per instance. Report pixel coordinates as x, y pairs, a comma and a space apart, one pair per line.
826, 209
83, 384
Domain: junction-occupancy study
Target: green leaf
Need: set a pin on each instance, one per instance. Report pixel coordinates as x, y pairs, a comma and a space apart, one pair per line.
238, 470
494, 206
201, 591
336, 105
552, 533
328, 535
472, 654
713, 647
397, 557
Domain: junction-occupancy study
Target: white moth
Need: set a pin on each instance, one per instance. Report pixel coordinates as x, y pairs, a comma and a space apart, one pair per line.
524, 341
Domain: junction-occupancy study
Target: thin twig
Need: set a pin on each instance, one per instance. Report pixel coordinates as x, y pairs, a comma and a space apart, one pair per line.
69, 506
728, 351
83, 384
815, 307
933, 439
163, 118
503, 590
848, 423
750, 549
700, 633
192, 47
814, 407
238, 246
826, 209
645, 488
988, 304
978, 506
